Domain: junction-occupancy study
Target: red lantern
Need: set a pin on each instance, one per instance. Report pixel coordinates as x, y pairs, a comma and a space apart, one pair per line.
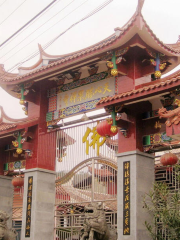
18, 182
168, 159
104, 128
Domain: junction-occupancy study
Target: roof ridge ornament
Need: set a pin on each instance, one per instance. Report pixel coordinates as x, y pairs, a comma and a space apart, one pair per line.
178, 41
140, 5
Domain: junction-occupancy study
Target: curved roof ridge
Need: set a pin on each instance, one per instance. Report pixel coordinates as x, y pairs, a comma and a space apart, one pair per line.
136, 20
67, 57
137, 13
7, 74
140, 5
83, 49
37, 63
163, 44
174, 45
59, 57
4, 118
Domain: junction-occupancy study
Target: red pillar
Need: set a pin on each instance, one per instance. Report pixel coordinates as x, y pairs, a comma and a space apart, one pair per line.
134, 126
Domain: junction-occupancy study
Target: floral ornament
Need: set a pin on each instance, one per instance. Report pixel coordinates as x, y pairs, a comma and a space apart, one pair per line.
110, 64
23, 140
162, 66
15, 143
118, 60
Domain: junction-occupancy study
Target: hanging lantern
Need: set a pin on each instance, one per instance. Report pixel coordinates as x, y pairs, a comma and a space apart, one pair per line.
105, 128
18, 182
19, 150
168, 159
157, 74
114, 72
21, 101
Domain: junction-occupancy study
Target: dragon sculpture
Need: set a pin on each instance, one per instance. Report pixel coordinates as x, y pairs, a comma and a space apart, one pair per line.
172, 116
5, 233
95, 226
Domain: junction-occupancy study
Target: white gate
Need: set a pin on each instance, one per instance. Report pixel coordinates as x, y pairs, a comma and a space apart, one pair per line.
86, 172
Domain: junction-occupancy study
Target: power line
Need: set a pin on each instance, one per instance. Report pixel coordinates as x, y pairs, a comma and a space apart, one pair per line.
47, 29
86, 17
52, 41
25, 25
36, 30
12, 13
3, 3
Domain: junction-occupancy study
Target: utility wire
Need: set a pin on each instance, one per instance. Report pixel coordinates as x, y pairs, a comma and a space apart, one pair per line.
25, 25
73, 25
3, 3
12, 13
52, 41
47, 29
16, 35
35, 31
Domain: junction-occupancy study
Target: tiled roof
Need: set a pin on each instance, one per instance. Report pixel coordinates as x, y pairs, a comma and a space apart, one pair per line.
65, 58
7, 123
6, 126
146, 88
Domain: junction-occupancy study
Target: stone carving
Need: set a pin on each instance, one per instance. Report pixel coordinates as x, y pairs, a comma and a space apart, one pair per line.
95, 226
5, 233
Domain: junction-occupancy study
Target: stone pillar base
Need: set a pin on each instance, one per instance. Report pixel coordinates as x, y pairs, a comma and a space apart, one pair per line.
42, 205
141, 182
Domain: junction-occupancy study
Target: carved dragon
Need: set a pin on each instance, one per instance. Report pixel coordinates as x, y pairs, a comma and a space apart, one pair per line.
5, 233
172, 116
95, 225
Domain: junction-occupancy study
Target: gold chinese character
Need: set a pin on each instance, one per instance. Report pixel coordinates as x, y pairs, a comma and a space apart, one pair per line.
80, 95
29, 194
126, 165
29, 206
126, 230
126, 173
126, 221
27, 233
73, 97
30, 187
95, 140
89, 93
28, 220
126, 198
84, 139
65, 99
126, 181
127, 214
27, 227
126, 205
106, 88
127, 189
29, 213
29, 200
30, 180
98, 90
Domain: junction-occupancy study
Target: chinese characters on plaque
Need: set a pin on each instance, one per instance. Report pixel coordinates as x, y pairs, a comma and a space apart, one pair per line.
86, 93
126, 198
29, 205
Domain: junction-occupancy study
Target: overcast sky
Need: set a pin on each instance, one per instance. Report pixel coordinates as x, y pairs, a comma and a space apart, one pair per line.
162, 16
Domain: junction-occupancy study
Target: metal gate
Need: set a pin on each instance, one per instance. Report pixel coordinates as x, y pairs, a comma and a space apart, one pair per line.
86, 172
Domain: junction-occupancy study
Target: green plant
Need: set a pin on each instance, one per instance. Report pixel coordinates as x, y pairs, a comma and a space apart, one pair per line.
164, 205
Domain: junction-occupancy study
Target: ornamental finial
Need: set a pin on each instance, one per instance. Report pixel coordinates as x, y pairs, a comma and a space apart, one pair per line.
178, 41
140, 5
